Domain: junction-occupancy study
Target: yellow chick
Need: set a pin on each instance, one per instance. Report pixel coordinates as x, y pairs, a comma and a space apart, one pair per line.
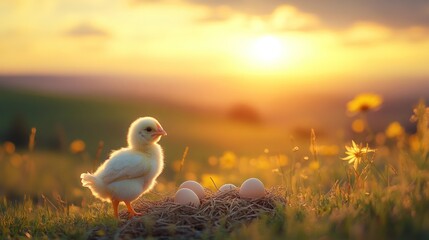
132, 171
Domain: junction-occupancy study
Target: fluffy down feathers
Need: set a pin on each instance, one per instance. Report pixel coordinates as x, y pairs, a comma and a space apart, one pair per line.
132, 171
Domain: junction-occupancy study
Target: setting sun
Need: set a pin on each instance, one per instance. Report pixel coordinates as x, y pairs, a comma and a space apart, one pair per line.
267, 49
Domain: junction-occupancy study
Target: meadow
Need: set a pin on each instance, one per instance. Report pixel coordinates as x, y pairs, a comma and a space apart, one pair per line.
380, 190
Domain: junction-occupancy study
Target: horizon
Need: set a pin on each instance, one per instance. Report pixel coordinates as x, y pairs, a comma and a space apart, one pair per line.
306, 106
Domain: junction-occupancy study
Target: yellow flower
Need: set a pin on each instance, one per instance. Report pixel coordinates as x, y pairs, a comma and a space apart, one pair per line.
228, 160
213, 161
314, 165
355, 154
394, 130
364, 102
358, 125
9, 147
77, 146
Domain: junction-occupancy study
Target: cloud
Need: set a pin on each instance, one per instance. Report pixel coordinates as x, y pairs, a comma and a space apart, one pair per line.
371, 33
218, 14
287, 17
416, 34
367, 33
86, 29
338, 13
283, 18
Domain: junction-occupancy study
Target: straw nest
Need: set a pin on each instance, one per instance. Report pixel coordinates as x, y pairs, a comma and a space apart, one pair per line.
219, 211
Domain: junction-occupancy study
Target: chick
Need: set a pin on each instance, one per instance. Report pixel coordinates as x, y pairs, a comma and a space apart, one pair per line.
130, 172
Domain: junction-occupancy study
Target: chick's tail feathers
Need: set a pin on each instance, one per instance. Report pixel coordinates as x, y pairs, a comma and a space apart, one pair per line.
96, 185
88, 179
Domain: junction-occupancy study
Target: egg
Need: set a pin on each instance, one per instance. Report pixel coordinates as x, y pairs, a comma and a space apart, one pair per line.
185, 196
227, 187
252, 188
194, 186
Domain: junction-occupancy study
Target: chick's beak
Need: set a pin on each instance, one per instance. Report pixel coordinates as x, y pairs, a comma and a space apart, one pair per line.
160, 132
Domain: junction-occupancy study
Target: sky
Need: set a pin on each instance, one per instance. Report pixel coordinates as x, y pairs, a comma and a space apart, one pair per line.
252, 46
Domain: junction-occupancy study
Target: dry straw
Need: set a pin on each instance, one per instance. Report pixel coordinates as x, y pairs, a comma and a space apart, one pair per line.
219, 211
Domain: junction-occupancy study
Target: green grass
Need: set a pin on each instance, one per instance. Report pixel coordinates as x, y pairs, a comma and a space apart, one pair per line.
385, 213
349, 209
54, 221
386, 197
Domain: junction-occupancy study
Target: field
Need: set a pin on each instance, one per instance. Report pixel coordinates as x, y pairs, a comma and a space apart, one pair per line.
380, 192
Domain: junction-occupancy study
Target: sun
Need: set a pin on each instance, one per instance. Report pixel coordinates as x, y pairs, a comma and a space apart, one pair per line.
266, 49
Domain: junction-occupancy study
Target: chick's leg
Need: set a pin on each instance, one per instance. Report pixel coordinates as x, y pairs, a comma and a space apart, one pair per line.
131, 210
115, 204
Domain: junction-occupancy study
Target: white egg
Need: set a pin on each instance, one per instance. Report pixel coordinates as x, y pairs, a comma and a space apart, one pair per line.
194, 186
185, 196
227, 187
252, 188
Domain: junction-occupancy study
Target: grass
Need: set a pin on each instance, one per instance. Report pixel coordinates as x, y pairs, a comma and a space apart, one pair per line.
53, 221
385, 197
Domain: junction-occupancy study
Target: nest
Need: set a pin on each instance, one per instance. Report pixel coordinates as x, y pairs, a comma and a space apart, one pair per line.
219, 211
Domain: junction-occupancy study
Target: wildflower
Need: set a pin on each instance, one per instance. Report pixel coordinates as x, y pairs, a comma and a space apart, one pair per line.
394, 130
9, 147
314, 165
355, 154
364, 102
262, 162
358, 125
77, 146
228, 160
213, 161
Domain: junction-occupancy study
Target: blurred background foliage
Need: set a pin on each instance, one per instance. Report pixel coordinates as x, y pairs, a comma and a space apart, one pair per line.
48, 140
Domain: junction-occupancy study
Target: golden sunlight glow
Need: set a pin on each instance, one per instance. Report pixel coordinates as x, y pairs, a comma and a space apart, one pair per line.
182, 39
267, 49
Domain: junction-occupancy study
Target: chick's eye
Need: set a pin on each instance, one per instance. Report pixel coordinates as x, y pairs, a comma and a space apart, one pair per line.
148, 129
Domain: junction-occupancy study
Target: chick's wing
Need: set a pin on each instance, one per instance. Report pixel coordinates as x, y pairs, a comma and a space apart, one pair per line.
126, 165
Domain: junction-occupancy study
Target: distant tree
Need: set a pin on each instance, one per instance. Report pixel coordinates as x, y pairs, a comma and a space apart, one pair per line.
244, 113
18, 131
